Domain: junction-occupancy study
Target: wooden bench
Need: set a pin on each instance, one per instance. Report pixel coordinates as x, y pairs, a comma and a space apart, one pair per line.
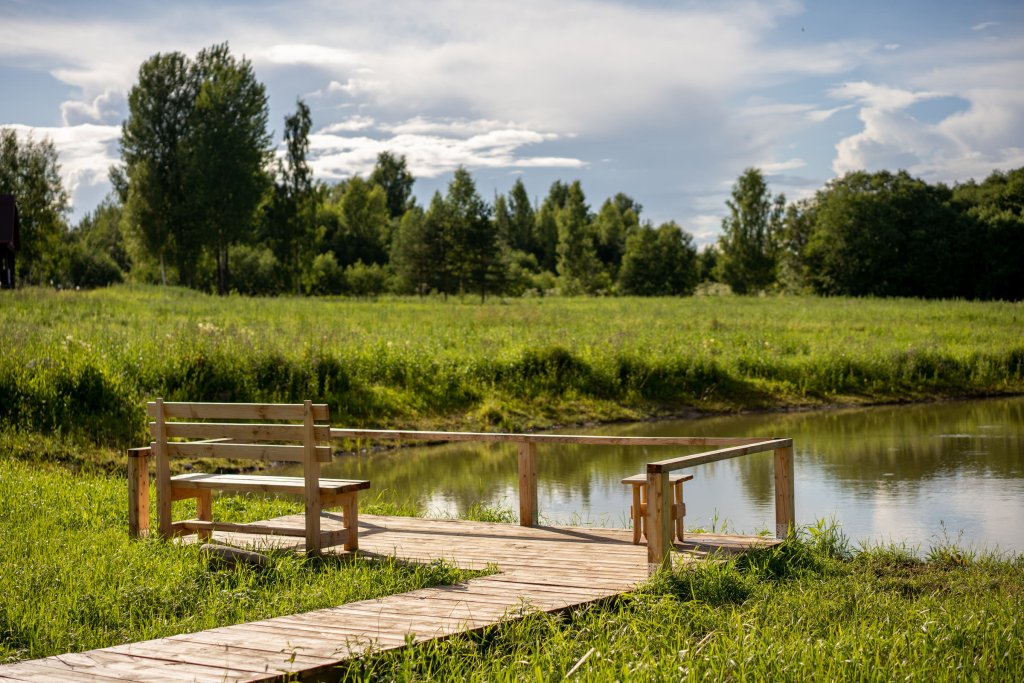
638, 511
269, 433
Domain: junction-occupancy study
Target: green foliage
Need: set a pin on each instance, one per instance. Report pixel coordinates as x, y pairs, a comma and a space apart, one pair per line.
578, 266
365, 280
324, 276
88, 267
288, 216
255, 271
660, 262
794, 612
750, 235
391, 175
361, 231
64, 544
883, 234
195, 145
86, 362
29, 170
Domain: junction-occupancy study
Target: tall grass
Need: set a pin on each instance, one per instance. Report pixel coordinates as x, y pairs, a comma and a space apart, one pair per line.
71, 579
82, 364
809, 609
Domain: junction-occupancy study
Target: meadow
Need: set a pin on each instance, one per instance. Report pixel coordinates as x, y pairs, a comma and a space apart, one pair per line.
77, 367
812, 608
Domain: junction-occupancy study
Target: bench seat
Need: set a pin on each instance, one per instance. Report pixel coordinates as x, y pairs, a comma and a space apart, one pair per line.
269, 484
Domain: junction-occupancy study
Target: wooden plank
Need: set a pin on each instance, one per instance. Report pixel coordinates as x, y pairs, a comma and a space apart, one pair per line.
252, 529
528, 513
238, 411
138, 491
33, 672
233, 657
265, 483
163, 472
713, 456
242, 431
642, 478
785, 510
495, 437
311, 473
659, 538
234, 451
118, 666
672, 464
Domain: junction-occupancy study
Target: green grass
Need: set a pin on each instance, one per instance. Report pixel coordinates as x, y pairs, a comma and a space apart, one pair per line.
807, 610
72, 580
78, 366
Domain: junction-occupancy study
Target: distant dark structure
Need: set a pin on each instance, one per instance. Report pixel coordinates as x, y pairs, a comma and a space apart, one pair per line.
9, 239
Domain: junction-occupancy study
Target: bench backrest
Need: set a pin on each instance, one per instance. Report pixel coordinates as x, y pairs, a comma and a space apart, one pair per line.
297, 432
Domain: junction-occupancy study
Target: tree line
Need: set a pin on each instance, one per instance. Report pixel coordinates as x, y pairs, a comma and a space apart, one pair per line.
201, 200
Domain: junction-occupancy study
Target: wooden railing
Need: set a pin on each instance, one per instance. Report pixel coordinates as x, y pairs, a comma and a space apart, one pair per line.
659, 538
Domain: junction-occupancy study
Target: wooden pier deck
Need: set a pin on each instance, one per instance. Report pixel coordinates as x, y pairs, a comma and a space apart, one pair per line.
539, 569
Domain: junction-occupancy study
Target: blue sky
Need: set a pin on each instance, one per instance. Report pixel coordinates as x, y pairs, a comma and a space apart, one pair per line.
665, 101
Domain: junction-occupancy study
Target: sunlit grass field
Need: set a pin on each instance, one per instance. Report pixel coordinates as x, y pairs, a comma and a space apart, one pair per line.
82, 364
810, 609
77, 367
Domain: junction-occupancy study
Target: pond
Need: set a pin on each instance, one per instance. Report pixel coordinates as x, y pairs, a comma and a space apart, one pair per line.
919, 474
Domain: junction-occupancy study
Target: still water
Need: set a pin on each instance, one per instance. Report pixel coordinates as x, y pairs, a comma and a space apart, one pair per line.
916, 474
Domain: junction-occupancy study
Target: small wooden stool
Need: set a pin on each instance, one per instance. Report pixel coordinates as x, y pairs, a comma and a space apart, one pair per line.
638, 511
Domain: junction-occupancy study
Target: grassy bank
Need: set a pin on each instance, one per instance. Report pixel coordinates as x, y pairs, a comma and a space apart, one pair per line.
71, 579
78, 366
809, 610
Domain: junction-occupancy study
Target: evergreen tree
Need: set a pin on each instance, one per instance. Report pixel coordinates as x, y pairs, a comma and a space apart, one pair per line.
617, 220
289, 215
414, 253
578, 265
478, 247
545, 236
522, 220
750, 233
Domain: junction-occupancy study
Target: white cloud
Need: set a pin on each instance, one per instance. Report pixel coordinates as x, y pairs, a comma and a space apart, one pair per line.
309, 55
972, 140
984, 25
85, 152
110, 107
778, 166
890, 47
349, 125
881, 97
428, 156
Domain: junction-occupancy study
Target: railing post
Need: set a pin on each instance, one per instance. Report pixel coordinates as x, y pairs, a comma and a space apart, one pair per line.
138, 491
528, 484
785, 515
659, 521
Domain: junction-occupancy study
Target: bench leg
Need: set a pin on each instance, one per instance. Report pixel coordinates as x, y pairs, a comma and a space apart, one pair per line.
679, 509
204, 512
636, 512
138, 492
351, 510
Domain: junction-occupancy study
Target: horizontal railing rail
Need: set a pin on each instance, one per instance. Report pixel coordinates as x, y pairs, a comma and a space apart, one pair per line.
659, 538
659, 520
501, 437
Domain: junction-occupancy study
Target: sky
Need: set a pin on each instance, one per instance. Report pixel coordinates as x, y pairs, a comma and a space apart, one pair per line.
665, 101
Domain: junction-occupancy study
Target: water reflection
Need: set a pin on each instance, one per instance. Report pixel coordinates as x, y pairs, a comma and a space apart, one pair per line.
903, 473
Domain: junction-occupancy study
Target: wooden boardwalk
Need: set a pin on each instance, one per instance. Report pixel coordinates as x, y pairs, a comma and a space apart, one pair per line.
543, 568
